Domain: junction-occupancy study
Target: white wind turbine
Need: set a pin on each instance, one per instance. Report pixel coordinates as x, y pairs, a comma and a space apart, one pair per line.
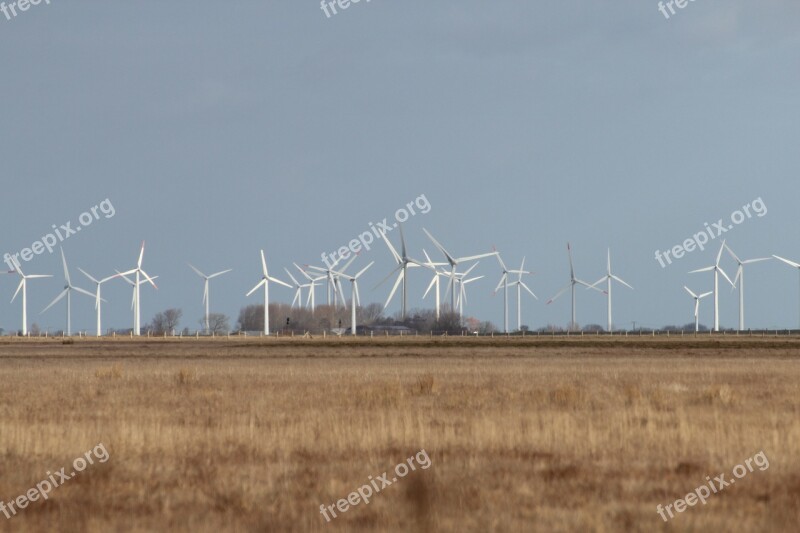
68, 288
403, 263
435, 281
788, 262
459, 282
312, 288
139, 273
697, 306
206, 292
265, 279
454, 262
739, 278
127, 280
298, 293
333, 280
462, 291
23, 284
504, 283
717, 270
97, 298
355, 300
608, 278
521, 285
571, 286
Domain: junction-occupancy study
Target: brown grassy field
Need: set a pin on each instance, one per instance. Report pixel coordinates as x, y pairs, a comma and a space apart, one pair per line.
523, 434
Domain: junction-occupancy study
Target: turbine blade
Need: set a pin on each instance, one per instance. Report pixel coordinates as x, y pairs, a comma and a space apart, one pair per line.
264, 264
364, 269
66, 270
141, 256
254, 289
706, 269
82, 291
21, 283
621, 281
394, 289
690, 291
88, 276
528, 289
197, 271
58, 299
792, 263
447, 255
558, 294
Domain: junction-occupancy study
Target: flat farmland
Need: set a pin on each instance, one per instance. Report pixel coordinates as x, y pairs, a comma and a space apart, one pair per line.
522, 434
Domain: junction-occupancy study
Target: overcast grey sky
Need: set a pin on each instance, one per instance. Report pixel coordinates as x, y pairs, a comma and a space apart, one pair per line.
217, 129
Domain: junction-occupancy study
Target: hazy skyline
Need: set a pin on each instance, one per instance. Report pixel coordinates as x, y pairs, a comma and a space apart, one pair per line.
218, 131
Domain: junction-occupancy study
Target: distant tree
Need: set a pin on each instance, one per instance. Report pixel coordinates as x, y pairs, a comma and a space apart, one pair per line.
593, 328
487, 328
251, 318
35, 330
371, 313
165, 322
217, 323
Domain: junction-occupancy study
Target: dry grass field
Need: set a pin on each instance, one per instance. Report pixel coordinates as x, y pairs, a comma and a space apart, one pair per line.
523, 434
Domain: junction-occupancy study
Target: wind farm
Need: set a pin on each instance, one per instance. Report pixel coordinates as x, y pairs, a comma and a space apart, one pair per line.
383, 267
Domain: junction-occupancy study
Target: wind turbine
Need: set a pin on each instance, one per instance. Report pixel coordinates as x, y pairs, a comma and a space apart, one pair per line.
572, 282
739, 278
717, 271
265, 279
458, 284
697, 306
98, 299
790, 263
454, 262
504, 283
435, 281
298, 293
462, 291
354, 298
23, 284
206, 295
403, 263
521, 285
312, 288
607, 278
333, 280
68, 288
137, 319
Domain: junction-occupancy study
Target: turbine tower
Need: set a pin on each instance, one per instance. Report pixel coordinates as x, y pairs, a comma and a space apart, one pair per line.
454, 262
23, 285
298, 293
571, 286
355, 300
435, 281
739, 278
206, 294
403, 263
265, 279
607, 278
312, 288
68, 288
98, 299
790, 263
717, 270
697, 306
137, 318
504, 283
521, 285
